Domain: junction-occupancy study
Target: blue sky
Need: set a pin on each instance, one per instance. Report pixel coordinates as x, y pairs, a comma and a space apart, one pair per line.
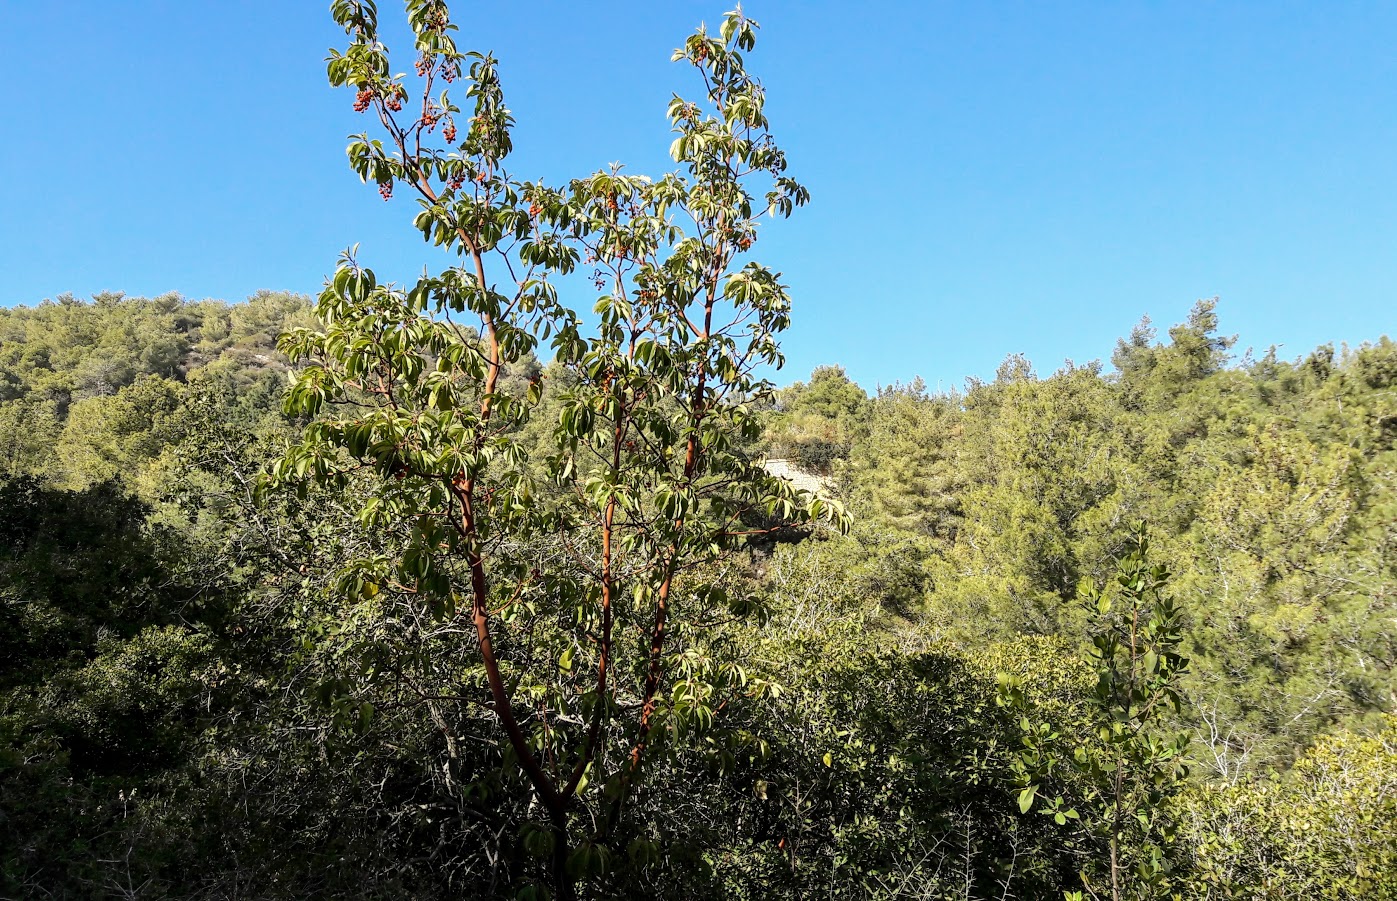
987, 178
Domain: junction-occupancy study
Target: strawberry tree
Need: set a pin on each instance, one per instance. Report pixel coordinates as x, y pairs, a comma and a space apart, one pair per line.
578, 571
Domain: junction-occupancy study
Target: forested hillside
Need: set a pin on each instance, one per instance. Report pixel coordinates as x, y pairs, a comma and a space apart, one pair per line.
1268, 485
89, 389
443, 589
174, 647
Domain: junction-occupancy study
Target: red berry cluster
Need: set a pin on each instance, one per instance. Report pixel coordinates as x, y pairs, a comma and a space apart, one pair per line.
744, 243
455, 181
449, 72
395, 103
363, 99
449, 132
423, 65
385, 188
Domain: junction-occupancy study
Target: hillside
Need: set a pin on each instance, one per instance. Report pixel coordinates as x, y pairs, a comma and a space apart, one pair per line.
187, 676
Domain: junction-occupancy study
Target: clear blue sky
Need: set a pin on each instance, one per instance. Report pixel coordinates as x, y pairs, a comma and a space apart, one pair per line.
987, 177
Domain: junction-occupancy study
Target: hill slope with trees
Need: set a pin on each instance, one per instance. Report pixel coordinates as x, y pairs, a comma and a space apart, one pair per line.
185, 678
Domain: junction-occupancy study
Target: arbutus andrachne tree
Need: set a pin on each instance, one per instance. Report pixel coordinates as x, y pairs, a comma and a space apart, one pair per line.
581, 572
